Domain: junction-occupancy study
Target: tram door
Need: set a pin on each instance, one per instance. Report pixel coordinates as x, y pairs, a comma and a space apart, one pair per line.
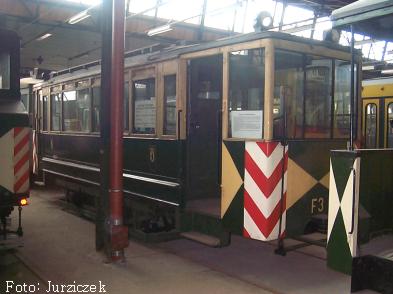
389, 122
204, 127
378, 122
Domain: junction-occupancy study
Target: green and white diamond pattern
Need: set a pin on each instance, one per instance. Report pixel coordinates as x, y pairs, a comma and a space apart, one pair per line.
341, 242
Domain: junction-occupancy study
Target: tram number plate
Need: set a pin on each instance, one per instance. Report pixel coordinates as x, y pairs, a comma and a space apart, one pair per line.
317, 205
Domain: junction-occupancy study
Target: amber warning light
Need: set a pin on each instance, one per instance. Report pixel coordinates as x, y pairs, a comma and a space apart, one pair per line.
23, 202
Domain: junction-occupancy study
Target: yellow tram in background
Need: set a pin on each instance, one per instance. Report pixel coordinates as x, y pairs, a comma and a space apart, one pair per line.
377, 123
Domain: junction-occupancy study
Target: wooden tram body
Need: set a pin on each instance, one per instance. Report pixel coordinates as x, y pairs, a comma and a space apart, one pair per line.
14, 132
233, 134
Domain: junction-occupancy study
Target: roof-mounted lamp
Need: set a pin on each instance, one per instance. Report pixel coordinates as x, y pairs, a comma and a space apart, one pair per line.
263, 21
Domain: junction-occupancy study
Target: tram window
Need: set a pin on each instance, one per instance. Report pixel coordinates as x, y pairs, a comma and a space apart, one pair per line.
371, 125
5, 70
246, 93
25, 101
390, 125
342, 100
170, 105
96, 108
55, 110
44, 102
96, 96
318, 97
288, 91
76, 110
144, 106
83, 102
126, 105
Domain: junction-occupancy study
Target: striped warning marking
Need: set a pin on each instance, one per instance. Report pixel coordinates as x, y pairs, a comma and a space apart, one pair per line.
35, 155
264, 163
21, 159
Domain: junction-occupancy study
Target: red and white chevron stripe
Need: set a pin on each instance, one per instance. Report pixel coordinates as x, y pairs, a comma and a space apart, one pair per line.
262, 190
21, 160
34, 153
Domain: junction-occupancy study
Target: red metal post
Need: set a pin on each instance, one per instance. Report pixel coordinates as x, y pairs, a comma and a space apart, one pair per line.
118, 232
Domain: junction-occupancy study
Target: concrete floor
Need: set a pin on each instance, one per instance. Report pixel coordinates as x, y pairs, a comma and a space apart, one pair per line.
60, 247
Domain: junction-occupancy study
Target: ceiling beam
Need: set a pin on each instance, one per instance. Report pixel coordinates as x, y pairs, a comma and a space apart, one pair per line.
31, 20
62, 4
85, 28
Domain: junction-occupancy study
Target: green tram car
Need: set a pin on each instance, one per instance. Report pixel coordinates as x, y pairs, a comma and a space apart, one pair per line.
14, 133
231, 136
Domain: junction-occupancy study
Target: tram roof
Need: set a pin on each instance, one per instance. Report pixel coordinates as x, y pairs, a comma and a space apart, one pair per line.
377, 81
370, 17
133, 59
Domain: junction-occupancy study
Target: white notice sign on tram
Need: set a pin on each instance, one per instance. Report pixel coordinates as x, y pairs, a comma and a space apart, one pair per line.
145, 114
247, 124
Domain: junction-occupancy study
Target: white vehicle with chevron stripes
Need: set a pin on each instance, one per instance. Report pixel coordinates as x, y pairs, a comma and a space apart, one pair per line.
14, 133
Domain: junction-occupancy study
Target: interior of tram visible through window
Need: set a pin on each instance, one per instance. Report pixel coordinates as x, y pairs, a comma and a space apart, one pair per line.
288, 85
144, 106
96, 97
76, 110
342, 99
304, 84
43, 111
55, 110
5, 70
169, 105
246, 93
371, 125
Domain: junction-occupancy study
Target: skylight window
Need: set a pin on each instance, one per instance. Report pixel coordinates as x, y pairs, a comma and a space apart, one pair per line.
239, 16
86, 2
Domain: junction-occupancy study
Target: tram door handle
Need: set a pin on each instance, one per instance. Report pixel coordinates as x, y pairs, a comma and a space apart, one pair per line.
353, 201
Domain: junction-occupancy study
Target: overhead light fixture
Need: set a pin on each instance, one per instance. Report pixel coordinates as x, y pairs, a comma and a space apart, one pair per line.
387, 71
30, 81
368, 67
44, 36
79, 17
160, 30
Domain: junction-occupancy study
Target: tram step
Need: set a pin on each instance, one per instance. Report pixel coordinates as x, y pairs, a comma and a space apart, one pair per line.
320, 222
206, 225
202, 238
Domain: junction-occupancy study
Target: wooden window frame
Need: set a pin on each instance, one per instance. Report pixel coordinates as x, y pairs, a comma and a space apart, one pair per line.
95, 82
73, 86
267, 45
52, 90
333, 55
164, 69
127, 79
143, 73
